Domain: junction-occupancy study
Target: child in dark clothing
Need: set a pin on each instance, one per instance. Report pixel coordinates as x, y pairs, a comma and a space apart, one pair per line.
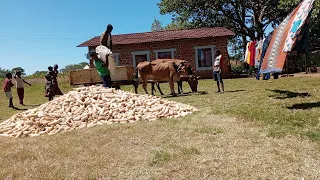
56, 88
49, 84
7, 88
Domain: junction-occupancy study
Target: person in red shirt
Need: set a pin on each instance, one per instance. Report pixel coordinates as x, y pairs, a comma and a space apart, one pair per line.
7, 88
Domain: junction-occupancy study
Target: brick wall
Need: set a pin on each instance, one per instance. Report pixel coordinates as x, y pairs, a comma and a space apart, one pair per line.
184, 50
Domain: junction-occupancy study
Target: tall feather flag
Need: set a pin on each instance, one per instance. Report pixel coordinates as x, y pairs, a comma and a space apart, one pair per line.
284, 38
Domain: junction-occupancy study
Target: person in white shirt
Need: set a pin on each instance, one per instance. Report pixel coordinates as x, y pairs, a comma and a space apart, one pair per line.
217, 68
20, 86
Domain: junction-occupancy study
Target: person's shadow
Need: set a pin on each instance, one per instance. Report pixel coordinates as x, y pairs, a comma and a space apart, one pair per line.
18, 109
288, 94
304, 106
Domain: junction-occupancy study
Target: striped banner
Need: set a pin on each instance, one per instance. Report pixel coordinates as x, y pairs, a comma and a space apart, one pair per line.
299, 20
275, 57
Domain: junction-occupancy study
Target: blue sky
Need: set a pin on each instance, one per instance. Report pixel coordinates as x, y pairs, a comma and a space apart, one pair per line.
37, 33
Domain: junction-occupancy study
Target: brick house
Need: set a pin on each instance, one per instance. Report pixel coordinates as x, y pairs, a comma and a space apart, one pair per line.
197, 46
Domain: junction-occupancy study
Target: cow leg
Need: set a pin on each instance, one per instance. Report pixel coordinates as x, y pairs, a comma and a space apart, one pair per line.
171, 83
152, 88
158, 85
135, 85
180, 91
145, 84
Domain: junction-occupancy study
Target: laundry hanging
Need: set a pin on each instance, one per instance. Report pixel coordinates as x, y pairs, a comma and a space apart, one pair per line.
265, 45
298, 22
250, 53
280, 45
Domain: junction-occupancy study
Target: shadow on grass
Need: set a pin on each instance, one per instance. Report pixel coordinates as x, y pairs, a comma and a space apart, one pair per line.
234, 91
18, 109
187, 94
32, 105
305, 106
288, 94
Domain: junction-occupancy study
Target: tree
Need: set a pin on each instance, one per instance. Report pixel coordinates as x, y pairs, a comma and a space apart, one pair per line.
176, 25
74, 67
156, 25
39, 74
247, 18
19, 69
3, 72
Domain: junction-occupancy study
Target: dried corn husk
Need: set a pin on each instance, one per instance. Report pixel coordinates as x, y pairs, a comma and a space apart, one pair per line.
88, 107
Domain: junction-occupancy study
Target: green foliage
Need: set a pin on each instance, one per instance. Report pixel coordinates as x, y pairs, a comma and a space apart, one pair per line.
3, 72
38, 74
176, 25
245, 18
315, 59
19, 69
248, 19
237, 69
156, 25
74, 67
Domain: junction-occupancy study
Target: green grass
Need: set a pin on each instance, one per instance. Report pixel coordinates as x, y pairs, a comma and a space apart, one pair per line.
207, 144
284, 106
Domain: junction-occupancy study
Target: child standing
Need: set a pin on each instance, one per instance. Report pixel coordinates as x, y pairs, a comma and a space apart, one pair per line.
20, 86
56, 88
7, 88
217, 68
49, 84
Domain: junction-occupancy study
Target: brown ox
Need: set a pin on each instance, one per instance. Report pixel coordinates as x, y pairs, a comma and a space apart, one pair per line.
161, 70
191, 79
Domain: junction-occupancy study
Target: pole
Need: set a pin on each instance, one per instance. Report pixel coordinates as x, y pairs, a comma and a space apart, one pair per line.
287, 67
305, 63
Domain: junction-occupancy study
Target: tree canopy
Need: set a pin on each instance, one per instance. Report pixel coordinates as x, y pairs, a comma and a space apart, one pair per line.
247, 18
19, 69
156, 25
3, 72
74, 67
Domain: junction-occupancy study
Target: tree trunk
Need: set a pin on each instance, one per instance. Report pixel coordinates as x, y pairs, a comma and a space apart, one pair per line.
244, 44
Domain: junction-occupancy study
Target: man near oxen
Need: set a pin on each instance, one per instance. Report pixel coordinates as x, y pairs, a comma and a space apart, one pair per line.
217, 69
102, 69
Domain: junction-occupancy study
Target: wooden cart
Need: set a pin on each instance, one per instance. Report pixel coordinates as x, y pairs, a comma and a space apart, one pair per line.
123, 76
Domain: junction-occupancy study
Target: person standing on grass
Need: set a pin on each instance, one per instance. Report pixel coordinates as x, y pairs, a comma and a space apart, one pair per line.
102, 69
49, 84
56, 88
7, 88
20, 86
217, 69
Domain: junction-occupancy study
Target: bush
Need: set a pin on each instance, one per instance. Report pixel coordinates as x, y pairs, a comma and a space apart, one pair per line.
237, 69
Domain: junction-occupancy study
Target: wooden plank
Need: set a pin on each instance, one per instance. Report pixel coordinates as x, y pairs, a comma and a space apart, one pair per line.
89, 76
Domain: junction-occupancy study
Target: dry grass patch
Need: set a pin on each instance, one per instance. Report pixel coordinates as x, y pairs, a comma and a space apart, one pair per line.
206, 145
